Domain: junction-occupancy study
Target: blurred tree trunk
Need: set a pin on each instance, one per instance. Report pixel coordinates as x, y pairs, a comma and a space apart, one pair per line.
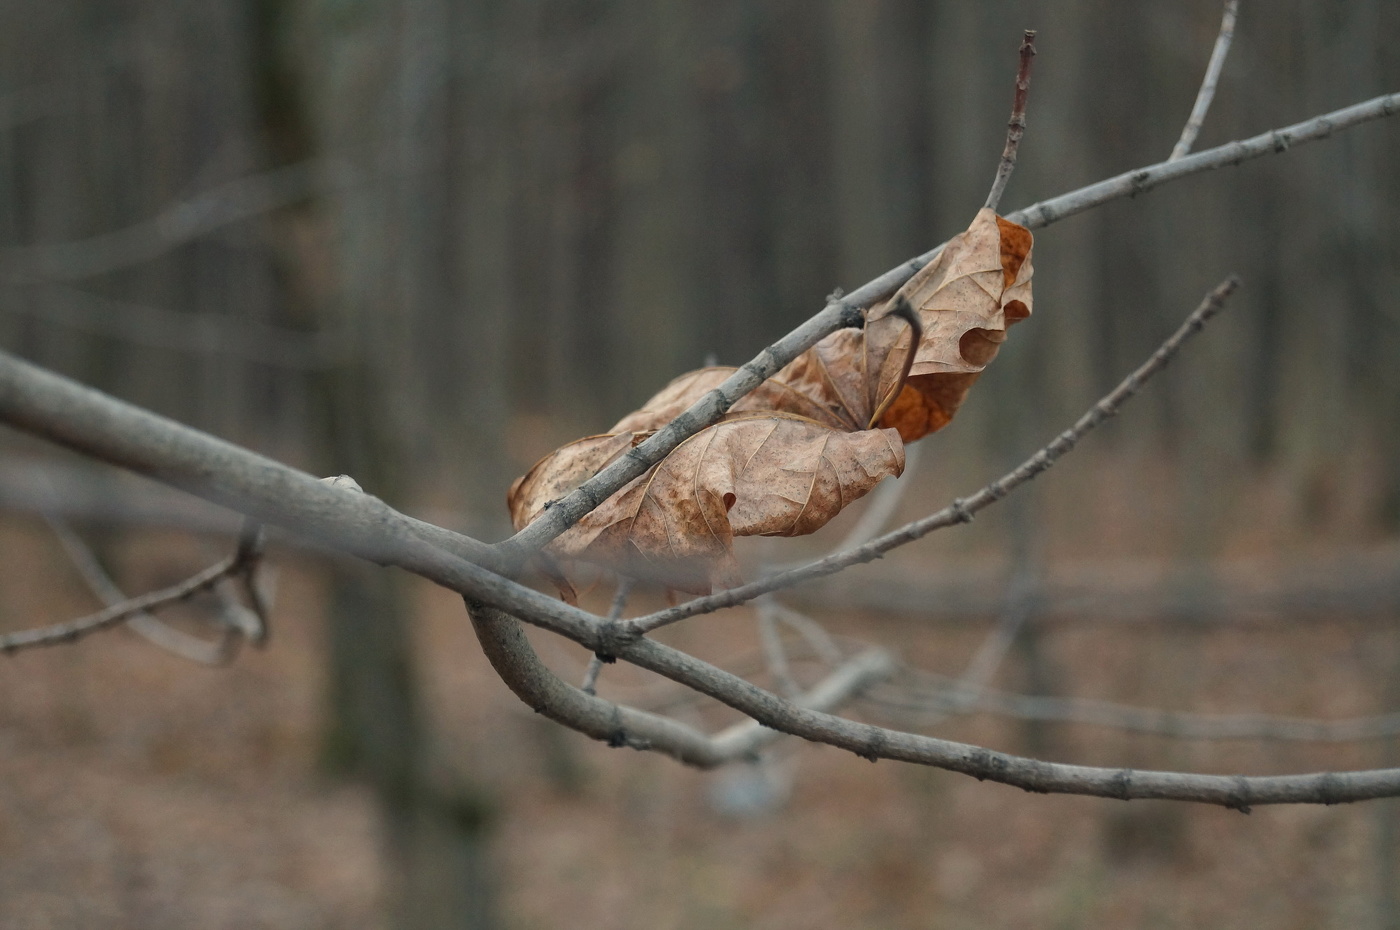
437, 835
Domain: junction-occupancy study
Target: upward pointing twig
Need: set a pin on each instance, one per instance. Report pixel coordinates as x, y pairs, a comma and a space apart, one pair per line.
1207, 92
1016, 126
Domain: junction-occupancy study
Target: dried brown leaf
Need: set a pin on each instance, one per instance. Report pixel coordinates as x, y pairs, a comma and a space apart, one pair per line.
805, 443
750, 475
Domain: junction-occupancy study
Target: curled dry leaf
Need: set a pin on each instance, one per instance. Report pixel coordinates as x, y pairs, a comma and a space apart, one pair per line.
967, 298
810, 440
771, 474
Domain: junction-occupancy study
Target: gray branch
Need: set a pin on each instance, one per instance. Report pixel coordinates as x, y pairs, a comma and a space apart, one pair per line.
514, 659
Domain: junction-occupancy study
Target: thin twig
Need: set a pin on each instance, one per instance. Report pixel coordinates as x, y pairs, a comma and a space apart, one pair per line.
252, 620
1142, 180
845, 311
596, 661
1357, 585
1020, 599
813, 633
774, 652
76, 629
963, 510
1207, 92
197, 333
1016, 126
242, 561
153, 630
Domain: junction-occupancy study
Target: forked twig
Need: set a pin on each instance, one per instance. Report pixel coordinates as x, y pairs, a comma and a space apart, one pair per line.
1212, 77
145, 624
242, 563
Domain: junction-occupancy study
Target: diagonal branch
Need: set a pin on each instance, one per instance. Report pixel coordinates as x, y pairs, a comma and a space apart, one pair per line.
960, 511
144, 623
845, 311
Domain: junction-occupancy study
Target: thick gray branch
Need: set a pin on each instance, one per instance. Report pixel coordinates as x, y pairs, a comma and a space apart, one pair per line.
520, 668
100, 426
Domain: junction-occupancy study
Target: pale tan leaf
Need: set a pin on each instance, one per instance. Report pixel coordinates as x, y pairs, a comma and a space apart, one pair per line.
751, 475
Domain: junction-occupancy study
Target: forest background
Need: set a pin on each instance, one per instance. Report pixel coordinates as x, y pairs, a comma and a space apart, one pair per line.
425, 242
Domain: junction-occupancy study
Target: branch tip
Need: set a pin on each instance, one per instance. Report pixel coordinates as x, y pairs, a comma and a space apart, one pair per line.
1016, 125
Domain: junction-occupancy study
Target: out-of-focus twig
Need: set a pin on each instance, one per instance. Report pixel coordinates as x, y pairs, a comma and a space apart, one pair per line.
932, 696
595, 661
178, 642
201, 333
229, 203
242, 563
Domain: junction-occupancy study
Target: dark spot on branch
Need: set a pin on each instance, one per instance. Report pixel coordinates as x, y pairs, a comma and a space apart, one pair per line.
1329, 788
875, 747
613, 637
1123, 785
1241, 797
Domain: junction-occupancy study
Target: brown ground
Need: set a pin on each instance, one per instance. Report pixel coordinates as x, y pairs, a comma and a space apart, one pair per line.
138, 791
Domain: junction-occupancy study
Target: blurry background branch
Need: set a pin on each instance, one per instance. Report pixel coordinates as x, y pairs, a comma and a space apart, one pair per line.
241, 566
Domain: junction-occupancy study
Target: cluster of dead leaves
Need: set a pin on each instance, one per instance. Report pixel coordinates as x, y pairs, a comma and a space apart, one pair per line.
812, 439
